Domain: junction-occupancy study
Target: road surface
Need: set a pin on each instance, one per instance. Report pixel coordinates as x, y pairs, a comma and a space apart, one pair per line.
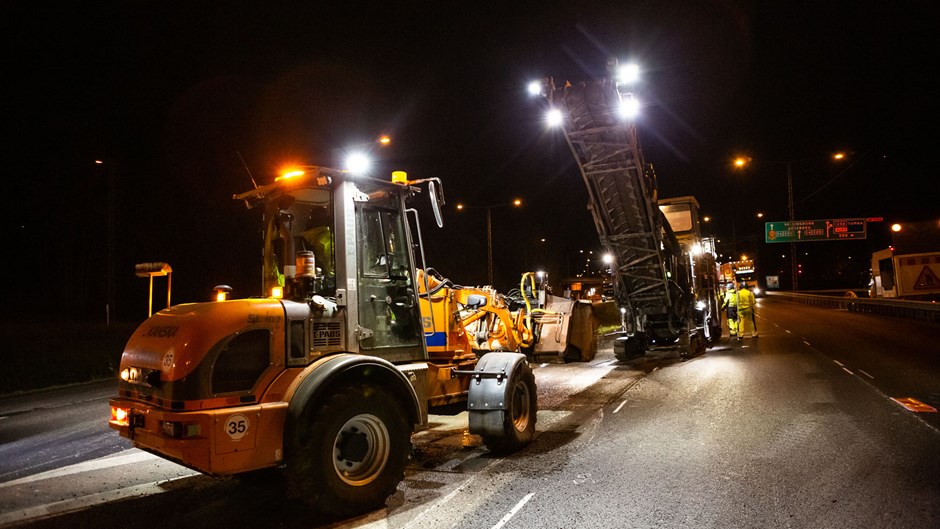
796, 428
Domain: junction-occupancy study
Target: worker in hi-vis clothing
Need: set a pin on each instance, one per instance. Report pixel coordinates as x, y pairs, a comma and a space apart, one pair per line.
746, 319
730, 304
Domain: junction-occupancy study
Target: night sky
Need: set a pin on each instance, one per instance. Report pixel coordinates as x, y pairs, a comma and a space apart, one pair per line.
177, 98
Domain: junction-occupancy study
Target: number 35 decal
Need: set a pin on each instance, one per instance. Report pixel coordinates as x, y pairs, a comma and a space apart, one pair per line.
236, 426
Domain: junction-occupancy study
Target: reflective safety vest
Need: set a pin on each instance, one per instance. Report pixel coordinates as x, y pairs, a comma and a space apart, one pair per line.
746, 299
731, 299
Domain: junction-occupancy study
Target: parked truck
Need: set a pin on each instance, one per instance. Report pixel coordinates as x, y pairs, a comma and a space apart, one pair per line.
906, 276
329, 371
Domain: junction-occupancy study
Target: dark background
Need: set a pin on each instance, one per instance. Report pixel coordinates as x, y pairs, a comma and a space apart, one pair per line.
173, 96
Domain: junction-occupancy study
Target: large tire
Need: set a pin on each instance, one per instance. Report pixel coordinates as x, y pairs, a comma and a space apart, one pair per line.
350, 452
518, 419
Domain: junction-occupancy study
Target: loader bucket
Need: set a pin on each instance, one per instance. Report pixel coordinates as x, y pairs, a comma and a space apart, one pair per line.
567, 331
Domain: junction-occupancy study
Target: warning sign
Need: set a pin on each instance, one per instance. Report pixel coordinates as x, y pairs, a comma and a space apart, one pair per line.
917, 274
915, 405
927, 280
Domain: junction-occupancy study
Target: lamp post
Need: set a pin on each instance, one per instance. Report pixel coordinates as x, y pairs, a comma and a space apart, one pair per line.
837, 157
489, 232
793, 274
741, 162
109, 267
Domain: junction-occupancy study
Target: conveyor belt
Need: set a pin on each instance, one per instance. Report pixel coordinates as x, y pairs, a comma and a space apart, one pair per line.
622, 191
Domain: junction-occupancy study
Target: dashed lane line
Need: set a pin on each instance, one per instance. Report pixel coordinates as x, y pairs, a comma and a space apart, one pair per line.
512, 512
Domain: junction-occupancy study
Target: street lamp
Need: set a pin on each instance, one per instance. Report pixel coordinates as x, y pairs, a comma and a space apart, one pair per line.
489, 232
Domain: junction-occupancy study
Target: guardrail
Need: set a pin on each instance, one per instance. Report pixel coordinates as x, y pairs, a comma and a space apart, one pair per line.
913, 310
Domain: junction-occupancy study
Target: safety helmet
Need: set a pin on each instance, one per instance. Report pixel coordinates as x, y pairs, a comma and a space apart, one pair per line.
731, 286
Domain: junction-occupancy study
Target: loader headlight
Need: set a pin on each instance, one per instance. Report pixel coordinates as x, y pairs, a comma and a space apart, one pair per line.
130, 374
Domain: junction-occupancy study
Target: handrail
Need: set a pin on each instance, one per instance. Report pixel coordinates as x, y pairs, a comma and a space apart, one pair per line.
913, 310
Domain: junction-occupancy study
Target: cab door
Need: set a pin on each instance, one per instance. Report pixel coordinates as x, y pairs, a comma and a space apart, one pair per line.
389, 317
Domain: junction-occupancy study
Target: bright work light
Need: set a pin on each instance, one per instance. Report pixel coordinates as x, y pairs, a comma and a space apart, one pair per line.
357, 163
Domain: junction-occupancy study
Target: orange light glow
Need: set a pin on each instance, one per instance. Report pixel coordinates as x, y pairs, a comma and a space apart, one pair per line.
290, 174
118, 415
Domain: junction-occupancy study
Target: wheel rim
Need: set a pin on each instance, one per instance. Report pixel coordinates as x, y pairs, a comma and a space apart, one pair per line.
361, 449
521, 406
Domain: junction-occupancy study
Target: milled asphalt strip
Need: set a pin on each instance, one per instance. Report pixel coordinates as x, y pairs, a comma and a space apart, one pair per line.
60, 507
128, 457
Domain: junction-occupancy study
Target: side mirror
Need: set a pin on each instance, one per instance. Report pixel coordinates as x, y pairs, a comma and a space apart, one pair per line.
437, 199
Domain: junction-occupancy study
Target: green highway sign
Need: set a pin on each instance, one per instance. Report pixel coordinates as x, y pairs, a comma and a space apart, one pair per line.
815, 230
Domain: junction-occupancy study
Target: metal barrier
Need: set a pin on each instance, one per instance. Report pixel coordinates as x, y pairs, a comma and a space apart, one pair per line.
913, 310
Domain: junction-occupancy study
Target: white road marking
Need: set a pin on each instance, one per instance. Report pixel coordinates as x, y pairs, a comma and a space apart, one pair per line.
866, 374
847, 371
446, 498
807, 343
840, 364
513, 511
621, 406
788, 331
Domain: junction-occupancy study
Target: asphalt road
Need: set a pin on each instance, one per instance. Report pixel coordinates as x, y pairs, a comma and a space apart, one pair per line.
796, 428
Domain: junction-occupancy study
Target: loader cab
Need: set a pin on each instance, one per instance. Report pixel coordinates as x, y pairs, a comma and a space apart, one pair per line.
339, 248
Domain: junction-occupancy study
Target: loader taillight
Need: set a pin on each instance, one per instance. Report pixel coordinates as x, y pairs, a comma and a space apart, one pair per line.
119, 415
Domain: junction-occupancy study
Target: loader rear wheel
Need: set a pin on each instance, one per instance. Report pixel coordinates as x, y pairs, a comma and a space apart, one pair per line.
351, 453
518, 419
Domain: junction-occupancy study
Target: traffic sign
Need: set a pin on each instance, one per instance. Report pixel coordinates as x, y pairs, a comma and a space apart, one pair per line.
815, 230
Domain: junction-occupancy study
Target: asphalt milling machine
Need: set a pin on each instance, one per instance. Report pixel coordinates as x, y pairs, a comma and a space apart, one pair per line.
664, 271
